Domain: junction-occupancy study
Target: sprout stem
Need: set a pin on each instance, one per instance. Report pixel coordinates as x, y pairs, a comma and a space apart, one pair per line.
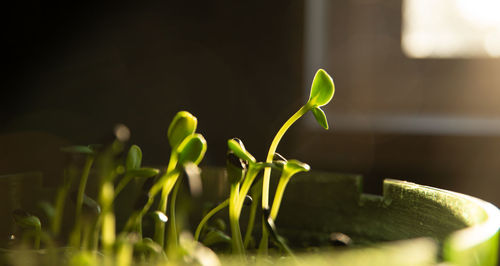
38, 233
76, 235
255, 192
60, 202
247, 183
278, 196
159, 235
209, 215
123, 182
237, 241
267, 171
172, 236
272, 150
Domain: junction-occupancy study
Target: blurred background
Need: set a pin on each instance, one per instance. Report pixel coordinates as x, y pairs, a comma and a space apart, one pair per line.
417, 83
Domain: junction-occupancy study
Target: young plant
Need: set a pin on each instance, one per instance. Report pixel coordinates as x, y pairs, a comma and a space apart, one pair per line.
183, 125
29, 222
322, 91
133, 168
189, 153
290, 168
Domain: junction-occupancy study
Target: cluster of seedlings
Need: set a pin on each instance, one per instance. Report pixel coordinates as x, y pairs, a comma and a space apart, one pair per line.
94, 239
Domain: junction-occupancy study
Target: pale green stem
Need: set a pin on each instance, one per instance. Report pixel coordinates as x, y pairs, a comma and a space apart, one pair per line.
123, 182
255, 192
83, 184
209, 215
245, 187
159, 236
108, 234
76, 235
272, 150
263, 245
267, 171
166, 180
108, 230
278, 196
173, 241
237, 241
125, 255
38, 233
60, 202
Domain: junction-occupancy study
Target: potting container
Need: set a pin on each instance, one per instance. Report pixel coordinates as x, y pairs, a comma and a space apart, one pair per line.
409, 224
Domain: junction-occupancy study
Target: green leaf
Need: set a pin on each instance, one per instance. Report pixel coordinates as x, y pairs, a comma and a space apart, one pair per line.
236, 146
320, 117
293, 166
26, 220
147, 245
214, 237
322, 89
134, 158
143, 172
192, 149
235, 167
78, 149
183, 125
91, 205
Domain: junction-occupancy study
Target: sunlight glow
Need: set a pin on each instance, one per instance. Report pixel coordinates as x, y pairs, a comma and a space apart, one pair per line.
451, 28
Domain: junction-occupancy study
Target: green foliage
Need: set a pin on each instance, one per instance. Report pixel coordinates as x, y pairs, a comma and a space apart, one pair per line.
192, 149
320, 117
237, 147
292, 167
183, 125
322, 89
95, 239
134, 158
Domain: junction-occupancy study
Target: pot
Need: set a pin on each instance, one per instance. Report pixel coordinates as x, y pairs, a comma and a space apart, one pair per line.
409, 224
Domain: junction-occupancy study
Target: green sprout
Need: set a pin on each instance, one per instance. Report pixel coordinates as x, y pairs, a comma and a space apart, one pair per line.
90, 156
290, 168
133, 168
322, 91
30, 222
182, 126
94, 238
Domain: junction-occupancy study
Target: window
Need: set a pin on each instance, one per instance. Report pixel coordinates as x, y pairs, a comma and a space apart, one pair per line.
451, 28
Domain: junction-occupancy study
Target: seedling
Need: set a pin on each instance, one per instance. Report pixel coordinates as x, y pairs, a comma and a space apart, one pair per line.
243, 168
322, 91
96, 233
181, 128
29, 222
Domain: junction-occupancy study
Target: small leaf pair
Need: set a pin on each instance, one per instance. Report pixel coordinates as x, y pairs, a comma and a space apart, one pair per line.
322, 91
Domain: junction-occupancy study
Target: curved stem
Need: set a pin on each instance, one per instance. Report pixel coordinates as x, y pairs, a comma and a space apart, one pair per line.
247, 183
108, 230
209, 215
38, 233
82, 185
60, 202
272, 149
264, 240
237, 241
256, 192
123, 182
278, 196
267, 171
76, 234
173, 237
165, 191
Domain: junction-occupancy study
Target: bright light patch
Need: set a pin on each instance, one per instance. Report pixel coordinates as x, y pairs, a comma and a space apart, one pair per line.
451, 28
